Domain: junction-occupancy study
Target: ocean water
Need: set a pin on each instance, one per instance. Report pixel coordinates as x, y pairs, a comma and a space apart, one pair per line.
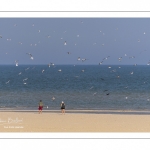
98, 87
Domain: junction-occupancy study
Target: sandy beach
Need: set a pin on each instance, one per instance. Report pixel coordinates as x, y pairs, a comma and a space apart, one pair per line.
75, 121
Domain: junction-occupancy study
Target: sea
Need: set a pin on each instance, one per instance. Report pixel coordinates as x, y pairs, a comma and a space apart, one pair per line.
81, 87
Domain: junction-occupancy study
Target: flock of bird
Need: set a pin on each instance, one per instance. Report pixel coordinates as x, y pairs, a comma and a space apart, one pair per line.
101, 62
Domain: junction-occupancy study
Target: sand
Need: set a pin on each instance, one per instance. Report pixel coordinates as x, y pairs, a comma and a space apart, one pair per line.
74, 121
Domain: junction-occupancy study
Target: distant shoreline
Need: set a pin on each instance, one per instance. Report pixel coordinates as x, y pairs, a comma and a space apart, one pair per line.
123, 112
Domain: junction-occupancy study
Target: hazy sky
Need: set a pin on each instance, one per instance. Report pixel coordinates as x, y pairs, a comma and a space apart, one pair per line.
93, 39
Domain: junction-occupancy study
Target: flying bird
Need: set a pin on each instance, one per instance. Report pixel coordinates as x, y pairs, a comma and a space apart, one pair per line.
31, 57
68, 52
65, 43
53, 98
7, 82
20, 73
16, 62
95, 93
84, 59
79, 59
49, 65
120, 58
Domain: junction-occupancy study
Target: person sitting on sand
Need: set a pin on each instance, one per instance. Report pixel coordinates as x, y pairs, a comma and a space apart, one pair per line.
63, 107
40, 106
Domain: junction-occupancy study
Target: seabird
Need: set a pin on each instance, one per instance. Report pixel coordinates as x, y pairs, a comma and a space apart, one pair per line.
53, 98
65, 43
119, 58
95, 93
100, 62
16, 63
7, 81
31, 57
25, 79
52, 64
84, 59
79, 58
131, 72
49, 65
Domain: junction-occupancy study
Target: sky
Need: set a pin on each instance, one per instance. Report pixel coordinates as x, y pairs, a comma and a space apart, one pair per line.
104, 41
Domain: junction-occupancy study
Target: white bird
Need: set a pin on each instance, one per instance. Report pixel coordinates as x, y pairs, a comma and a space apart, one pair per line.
100, 62
79, 58
16, 62
131, 72
25, 79
49, 65
20, 73
119, 58
84, 59
82, 70
53, 98
52, 64
65, 43
43, 70
31, 57
7, 81
95, 93
59, 70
